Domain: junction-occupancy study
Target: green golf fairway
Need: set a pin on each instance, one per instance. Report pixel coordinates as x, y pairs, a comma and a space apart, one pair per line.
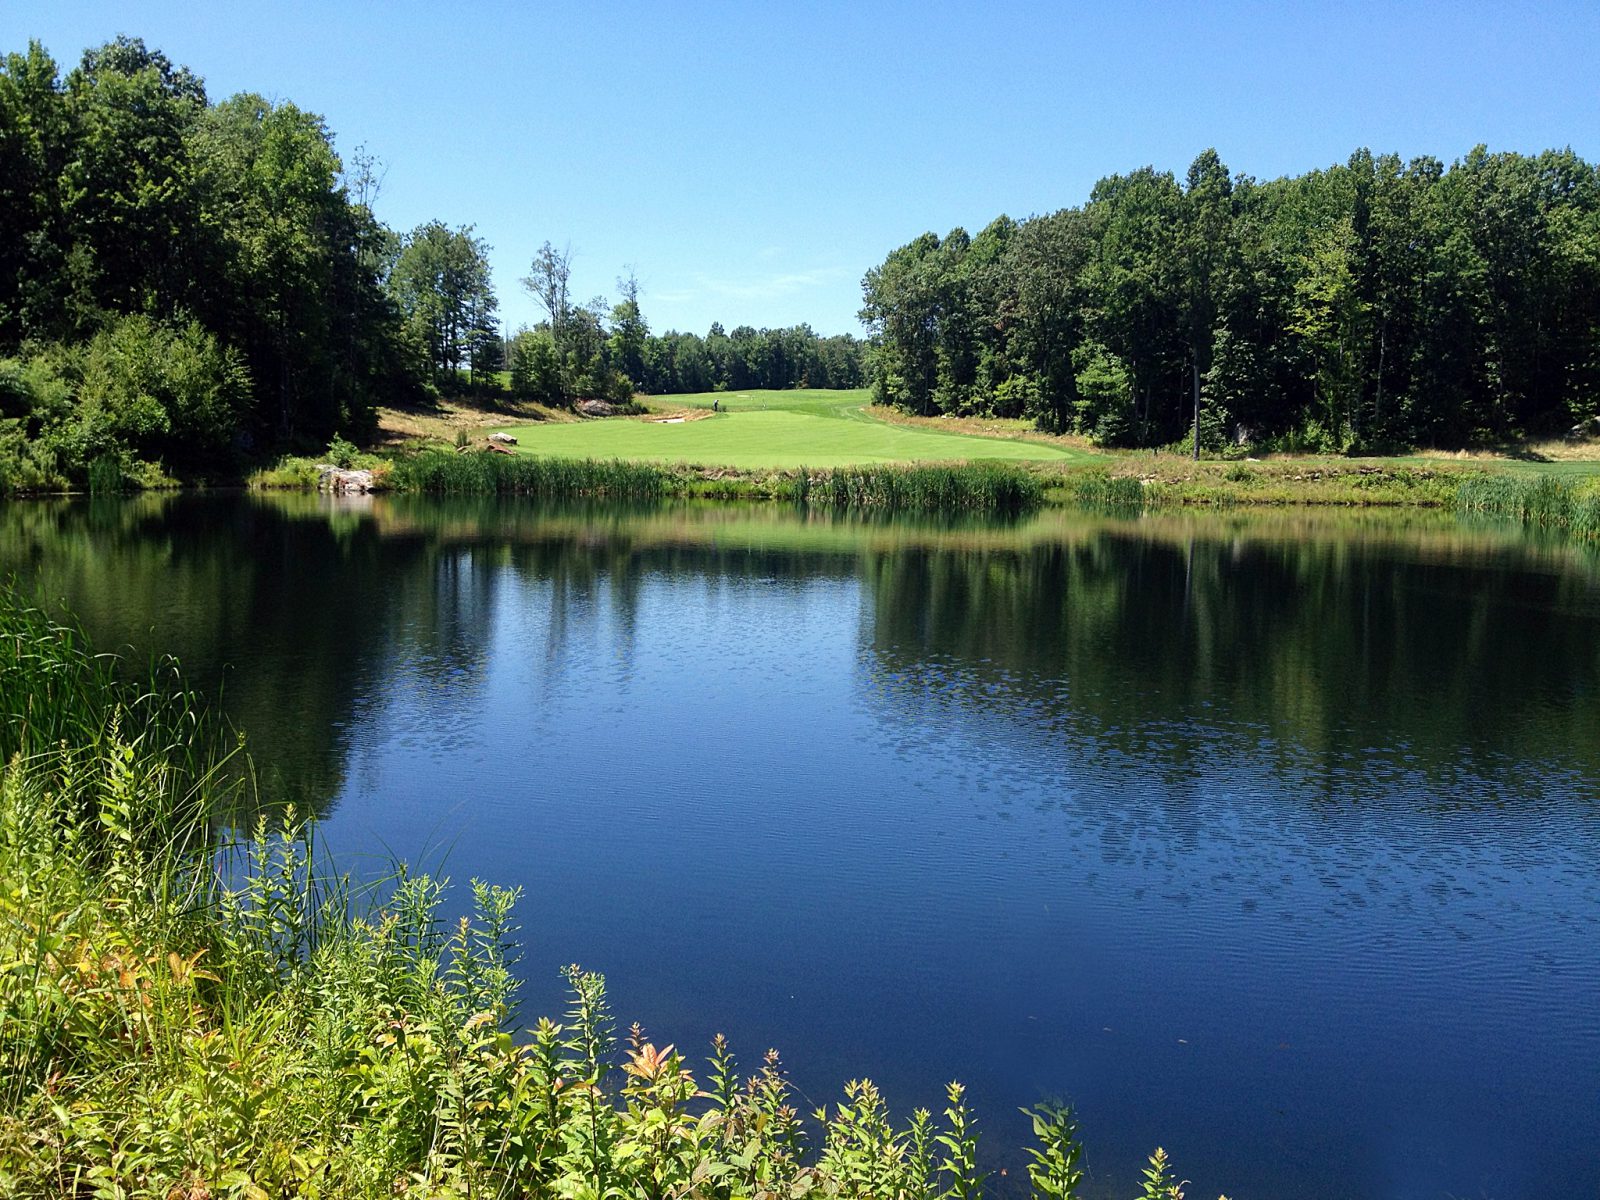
758, 429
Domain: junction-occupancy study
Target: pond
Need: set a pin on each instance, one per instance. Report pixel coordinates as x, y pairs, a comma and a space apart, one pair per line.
1273, 840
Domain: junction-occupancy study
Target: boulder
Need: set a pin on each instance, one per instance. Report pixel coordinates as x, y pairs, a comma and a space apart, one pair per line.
505, 439
596, 408
1584, 430
340, 481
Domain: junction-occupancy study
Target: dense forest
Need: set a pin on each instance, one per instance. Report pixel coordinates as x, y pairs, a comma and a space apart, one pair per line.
181, 281
1371, 305
753, 358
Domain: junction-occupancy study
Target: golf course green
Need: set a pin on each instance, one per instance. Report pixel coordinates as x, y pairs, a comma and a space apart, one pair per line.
775, 429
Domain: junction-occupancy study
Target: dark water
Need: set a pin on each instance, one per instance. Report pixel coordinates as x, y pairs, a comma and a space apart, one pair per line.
1272, 841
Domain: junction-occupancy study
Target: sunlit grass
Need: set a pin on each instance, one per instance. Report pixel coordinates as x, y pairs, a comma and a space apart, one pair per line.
758, 430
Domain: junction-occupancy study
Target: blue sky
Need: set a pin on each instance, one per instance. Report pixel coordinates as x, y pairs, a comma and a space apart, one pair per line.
752, 161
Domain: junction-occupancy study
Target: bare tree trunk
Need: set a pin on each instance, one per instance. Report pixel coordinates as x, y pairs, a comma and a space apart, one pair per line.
1383, 345
1195, 371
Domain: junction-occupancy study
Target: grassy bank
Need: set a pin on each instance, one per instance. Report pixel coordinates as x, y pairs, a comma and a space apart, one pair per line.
1168, 480
181, 1016
976, 488
981, 487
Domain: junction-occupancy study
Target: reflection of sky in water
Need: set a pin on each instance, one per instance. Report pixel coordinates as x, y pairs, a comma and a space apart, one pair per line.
1220, 840
1285, 966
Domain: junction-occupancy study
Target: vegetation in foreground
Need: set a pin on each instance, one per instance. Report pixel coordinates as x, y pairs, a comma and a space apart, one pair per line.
175, 1021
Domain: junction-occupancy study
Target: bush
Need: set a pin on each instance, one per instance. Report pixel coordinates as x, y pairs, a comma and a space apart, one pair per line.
341, 453
163, 393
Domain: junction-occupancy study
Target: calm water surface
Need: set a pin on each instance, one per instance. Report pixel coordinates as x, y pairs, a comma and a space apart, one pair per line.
1273, 840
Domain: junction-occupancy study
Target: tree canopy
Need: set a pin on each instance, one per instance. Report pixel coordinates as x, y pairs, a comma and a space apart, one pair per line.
1372, 304
139, 216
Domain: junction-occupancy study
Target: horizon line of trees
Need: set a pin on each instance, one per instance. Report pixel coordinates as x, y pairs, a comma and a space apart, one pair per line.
607, 351
1373, 304
188, 283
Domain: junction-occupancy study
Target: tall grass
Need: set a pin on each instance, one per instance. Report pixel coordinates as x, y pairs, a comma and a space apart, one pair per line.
486, 473
1101, 489
175, 1021
106, 477
978, 487
1545, 501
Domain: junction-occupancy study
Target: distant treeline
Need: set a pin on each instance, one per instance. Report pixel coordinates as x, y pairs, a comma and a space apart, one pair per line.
752, 358
1375, 304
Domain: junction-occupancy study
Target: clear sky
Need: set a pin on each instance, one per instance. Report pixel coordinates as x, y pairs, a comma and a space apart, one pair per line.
751, 161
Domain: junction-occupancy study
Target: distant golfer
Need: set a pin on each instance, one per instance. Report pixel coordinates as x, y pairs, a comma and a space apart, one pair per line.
716, 406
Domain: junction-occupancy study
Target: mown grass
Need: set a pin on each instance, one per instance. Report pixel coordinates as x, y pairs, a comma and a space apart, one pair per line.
184, 1018
775, 430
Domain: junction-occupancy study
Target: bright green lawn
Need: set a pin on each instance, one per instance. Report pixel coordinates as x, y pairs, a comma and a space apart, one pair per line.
803, 428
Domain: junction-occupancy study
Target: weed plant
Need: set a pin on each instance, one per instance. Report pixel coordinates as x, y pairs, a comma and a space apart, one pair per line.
185, 1013
975, 487
1542, 500
487, 473
1100, 489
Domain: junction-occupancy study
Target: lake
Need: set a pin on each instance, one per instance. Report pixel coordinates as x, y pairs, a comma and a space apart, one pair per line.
1270, 839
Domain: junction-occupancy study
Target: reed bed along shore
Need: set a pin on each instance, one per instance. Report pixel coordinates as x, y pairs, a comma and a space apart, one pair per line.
1545, 501
190, 1012
978, 487
957, 487
484, 473
1131, 481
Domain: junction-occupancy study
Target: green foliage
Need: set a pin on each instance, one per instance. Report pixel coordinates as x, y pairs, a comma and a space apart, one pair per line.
1055, 1171
201, 271
535, 367
488, 473
341, 453
1542, 500
441, 284
1101, 489
980, 487
748, 358
1373, 304
1157, 1183
161, 393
